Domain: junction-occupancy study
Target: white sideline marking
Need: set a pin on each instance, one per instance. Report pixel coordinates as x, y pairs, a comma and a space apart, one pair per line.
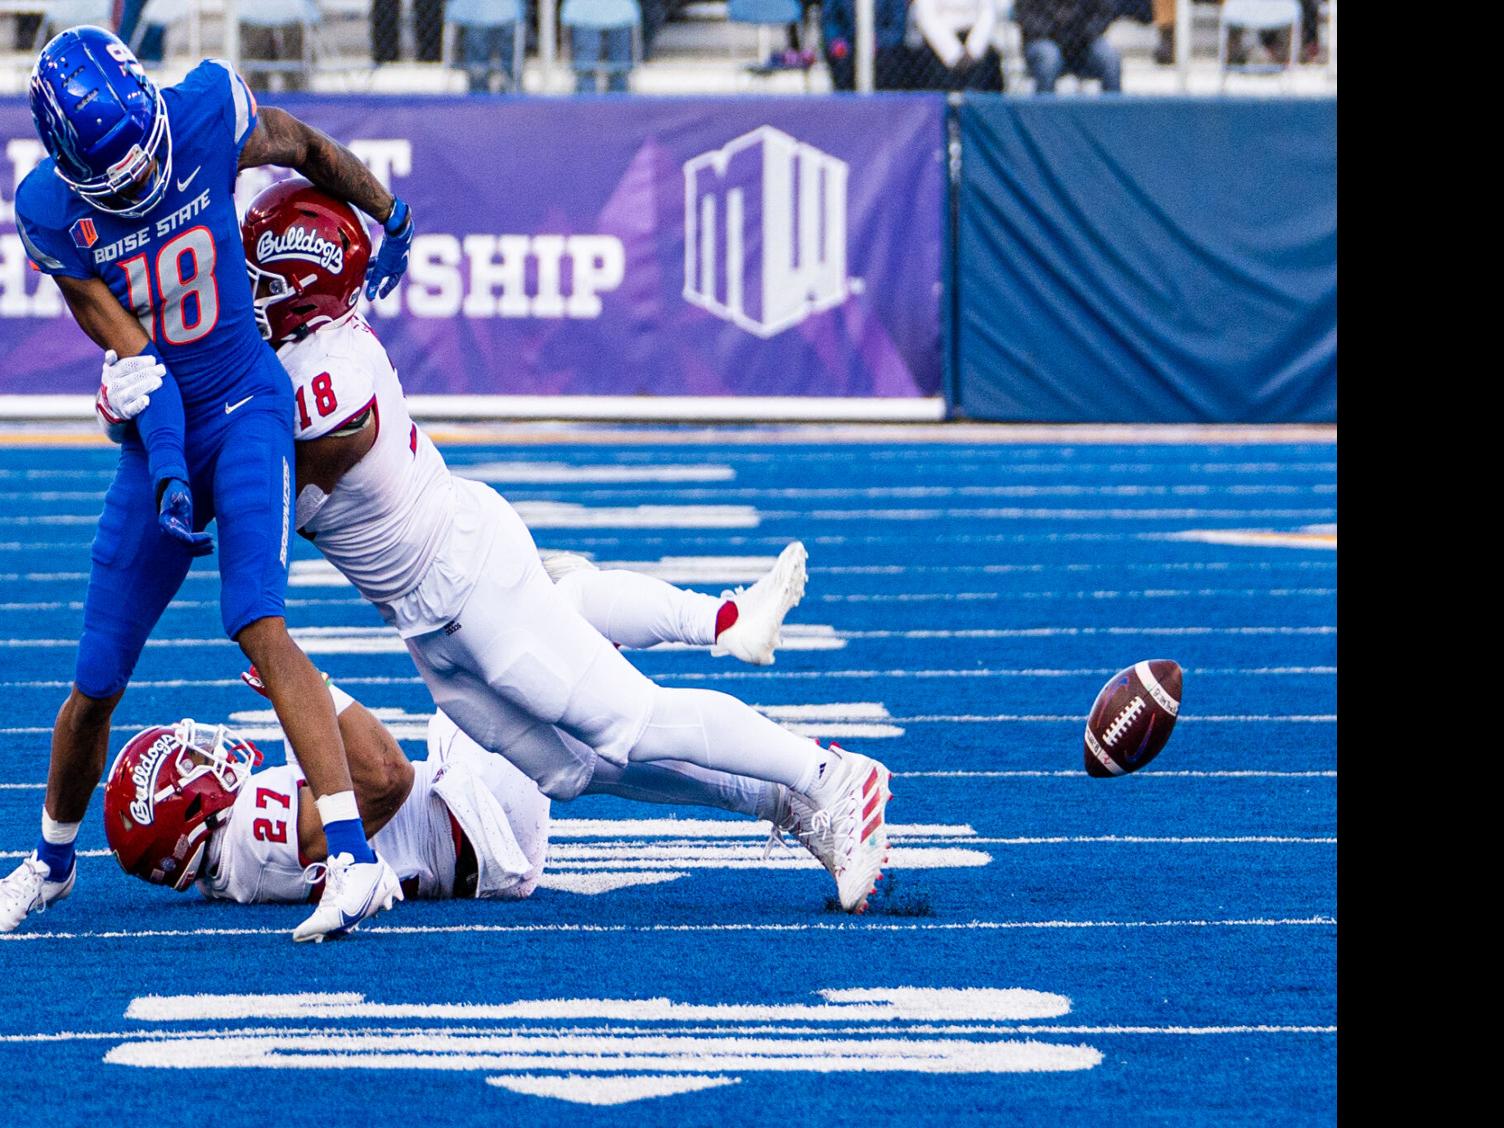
1148, 774
883, 493
1058, 632
569, 515
1141, 593
795, 636
613, 1054
1134, 839
549, 472
997, 672
1053, 718
720, 828
694, 569
594, 884
1261, 538
744, 674
883, 1004
1022, 773
603, 929
609, 1090
668, 1028
565, 515
1021, 513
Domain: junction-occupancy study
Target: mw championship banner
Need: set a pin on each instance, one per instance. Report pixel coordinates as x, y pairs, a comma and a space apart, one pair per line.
747, 246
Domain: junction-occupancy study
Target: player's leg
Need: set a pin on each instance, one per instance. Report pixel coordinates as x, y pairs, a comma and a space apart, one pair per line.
253, 484
520, 637
640, 611
134, 573
561, 767
634, 610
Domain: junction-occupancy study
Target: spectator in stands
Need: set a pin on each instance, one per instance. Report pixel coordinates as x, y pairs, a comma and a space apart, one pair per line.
486, 46
894, 67
958, 53
594, 52
1069, 36
386, 30
1237, 50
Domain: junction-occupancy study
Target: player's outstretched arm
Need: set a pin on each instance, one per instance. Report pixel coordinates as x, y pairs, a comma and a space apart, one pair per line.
382, 775
281, 139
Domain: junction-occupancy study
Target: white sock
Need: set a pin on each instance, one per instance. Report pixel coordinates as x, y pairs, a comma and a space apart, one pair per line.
715, 730
58, 833
638, 611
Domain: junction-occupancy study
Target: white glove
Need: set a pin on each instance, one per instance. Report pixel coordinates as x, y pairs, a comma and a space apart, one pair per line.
125, 388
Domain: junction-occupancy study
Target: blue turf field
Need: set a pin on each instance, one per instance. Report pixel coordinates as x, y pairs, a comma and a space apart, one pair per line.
1170, 937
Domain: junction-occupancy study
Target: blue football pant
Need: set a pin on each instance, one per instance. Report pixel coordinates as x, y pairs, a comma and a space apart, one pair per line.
240, 471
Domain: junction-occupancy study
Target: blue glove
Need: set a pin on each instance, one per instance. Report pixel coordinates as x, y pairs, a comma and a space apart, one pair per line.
391, 259
175, 517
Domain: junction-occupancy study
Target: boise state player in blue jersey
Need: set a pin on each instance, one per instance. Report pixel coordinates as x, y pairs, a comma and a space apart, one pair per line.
133, 215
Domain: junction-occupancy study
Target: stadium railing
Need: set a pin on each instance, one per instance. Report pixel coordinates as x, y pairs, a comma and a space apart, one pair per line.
693, 47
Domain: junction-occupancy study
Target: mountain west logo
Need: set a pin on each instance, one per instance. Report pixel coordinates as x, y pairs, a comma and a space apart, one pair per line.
765, 231
301, 243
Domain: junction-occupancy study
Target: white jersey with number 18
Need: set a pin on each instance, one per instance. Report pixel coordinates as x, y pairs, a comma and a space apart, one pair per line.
391, 517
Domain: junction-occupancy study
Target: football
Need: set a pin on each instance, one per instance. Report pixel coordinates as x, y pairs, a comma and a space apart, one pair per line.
1132, 717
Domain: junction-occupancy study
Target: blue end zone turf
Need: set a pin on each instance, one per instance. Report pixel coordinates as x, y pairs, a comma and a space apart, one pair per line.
1047, 948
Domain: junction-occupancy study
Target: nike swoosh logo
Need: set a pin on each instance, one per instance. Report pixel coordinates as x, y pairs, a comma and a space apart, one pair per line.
183, 184
229, 407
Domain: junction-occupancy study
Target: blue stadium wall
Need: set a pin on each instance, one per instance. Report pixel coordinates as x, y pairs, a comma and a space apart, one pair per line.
1087, 259
1145, 260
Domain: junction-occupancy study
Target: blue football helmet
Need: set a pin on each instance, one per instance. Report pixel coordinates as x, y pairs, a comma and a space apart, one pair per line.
103, 121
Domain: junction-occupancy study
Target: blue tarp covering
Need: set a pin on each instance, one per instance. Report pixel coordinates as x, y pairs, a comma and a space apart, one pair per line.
1147, 260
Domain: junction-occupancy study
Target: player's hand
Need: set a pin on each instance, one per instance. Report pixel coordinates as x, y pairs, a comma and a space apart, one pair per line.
125, 388
175, 516
391, 259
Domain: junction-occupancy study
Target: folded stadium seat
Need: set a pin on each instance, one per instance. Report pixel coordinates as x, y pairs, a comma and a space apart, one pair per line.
767, 14
59, 15
1257, 15
271, 18
498, 21
598, 30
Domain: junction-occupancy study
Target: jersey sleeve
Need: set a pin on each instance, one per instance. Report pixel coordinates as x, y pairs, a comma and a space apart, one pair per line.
44, 227
258, 859
238, 108
330, 393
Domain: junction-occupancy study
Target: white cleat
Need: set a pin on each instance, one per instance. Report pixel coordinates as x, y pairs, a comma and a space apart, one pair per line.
760, 610
794, 819
849, 832
353, 891
29, 890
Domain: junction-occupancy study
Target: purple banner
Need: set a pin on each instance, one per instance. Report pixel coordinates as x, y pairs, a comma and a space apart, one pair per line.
740, 246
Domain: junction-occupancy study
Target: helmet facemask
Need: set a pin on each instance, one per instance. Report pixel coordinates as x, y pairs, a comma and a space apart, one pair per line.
135, 184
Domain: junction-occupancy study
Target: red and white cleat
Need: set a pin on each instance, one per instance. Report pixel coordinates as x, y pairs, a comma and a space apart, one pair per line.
844, 823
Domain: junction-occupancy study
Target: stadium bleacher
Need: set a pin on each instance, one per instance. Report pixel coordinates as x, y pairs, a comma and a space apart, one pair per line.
697, 50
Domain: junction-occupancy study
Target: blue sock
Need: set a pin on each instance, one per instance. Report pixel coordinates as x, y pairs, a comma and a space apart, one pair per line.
347, 836
59, 857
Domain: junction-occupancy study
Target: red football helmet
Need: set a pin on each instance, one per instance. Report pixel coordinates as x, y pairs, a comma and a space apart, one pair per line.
307, 254
166, 792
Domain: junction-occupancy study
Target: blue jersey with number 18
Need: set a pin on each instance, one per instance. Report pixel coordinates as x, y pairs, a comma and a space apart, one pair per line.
180, 268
